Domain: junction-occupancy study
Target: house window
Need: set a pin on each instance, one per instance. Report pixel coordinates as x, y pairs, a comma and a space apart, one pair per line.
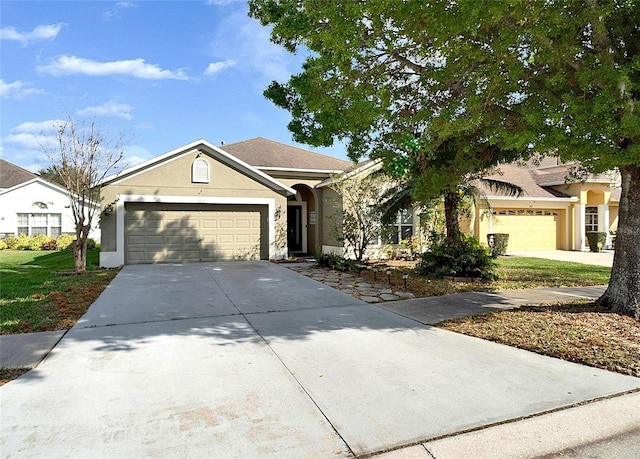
402, 230
591, 219
55, 225
200, 171
33, 224
23, 224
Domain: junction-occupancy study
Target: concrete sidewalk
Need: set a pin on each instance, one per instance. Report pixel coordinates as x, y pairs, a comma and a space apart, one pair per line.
252, 359
435, 309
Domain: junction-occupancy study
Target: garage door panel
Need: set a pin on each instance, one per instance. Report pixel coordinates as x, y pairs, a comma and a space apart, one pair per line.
242, 238
528, 229
156, 233
136, 256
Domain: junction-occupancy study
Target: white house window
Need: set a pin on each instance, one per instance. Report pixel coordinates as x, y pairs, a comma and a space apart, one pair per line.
402, 230
200, 171
591, 219
39, 223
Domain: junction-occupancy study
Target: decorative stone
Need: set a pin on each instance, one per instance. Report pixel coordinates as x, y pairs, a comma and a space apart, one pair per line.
405, 295
388, 297
370, 299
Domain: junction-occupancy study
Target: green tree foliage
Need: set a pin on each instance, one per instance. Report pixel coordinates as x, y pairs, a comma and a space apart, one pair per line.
479, 82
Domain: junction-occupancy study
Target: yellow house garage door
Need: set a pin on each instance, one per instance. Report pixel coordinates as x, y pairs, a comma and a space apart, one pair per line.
539, 229
177, 233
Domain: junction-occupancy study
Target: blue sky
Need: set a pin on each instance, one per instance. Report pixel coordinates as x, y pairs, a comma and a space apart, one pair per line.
162, 73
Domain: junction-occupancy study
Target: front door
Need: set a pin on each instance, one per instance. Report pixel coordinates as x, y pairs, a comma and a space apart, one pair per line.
294, 228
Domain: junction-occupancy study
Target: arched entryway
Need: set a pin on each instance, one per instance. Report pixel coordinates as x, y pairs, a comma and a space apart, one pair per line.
302, 225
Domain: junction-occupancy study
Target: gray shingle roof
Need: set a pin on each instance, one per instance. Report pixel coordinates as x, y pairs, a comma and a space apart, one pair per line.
263, 153
525, 179
12, 175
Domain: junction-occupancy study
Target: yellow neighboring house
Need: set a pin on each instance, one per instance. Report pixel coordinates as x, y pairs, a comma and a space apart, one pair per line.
554, 213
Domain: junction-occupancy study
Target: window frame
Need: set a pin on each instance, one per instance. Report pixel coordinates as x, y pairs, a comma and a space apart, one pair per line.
591, 219
34, 223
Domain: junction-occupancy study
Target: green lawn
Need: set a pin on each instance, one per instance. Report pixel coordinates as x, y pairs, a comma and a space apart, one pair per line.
525, 272
513, 273
33, 297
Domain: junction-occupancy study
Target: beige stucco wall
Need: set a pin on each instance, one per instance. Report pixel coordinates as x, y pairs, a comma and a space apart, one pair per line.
173, 178
331, 205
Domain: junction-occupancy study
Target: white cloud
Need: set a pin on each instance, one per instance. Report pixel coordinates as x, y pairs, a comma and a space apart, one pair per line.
40, 33
137, 68
38, 126
17, 90
136, 154
117, 8
110, 108
246, 41
29, 141
216, 67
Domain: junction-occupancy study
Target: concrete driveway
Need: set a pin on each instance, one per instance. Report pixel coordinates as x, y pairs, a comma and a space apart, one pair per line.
252, 359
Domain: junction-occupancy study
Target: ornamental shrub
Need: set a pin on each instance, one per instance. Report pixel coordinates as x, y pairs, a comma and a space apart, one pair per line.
3, 245
23, 242
11, 242
595, 237
498, 243
64, 241
467, 258
41, 242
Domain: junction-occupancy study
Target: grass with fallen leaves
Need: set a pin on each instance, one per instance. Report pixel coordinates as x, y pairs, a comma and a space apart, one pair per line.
36, 295
580, 332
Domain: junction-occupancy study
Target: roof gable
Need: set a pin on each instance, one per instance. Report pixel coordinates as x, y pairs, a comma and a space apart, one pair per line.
12, 175
207, 148
38, 181
267, 154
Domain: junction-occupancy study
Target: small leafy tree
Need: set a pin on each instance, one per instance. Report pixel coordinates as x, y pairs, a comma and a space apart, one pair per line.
361, 218
81, 157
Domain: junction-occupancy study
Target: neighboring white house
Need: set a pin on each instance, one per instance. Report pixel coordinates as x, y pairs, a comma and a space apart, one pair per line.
31, 205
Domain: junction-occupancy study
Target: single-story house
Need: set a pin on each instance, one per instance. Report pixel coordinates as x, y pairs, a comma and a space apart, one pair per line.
256, 199
260, 199
31, 205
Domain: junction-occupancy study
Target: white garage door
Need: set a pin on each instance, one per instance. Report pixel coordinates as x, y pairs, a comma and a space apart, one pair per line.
529, 229
181, 233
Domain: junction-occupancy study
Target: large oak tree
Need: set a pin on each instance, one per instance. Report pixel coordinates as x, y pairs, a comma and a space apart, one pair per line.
478, 82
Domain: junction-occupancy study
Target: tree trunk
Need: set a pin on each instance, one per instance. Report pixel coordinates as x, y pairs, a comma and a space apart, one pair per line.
80, 248
452, 200
623, 292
